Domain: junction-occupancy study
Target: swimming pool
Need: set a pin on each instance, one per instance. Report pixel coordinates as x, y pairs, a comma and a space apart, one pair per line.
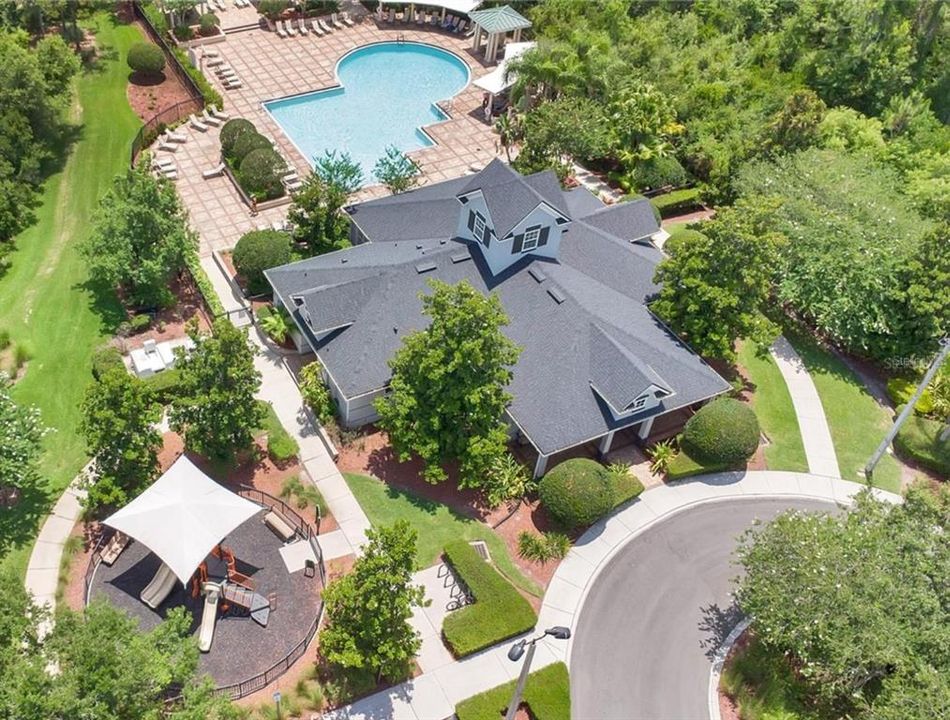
388, 93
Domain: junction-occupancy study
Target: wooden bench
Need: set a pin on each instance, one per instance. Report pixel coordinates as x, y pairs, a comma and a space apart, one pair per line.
115, 547
278, 523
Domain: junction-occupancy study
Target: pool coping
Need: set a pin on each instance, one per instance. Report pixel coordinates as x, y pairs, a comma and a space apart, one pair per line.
339, 86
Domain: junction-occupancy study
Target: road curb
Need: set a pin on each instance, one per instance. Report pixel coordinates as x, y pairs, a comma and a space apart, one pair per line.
715, 672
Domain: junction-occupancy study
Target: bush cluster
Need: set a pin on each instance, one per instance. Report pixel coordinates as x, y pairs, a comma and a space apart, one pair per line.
260, 174
231, 132
901, 390
541, 548
146, 58
104, 360
207, 24
498, 613
257, 251
165, 386
577, 492
247, 143
724, 431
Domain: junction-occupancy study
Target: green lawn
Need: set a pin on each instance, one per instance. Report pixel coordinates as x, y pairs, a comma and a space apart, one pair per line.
857, 422
547, 693
436, 524
46, 300
773, 406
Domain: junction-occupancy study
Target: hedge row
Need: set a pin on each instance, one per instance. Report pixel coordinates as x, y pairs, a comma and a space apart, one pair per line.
498, 613
677, 202
165, 386
204, 286
919, 440
547, 695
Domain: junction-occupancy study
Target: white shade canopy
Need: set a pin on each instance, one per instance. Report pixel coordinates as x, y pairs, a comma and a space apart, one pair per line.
456, 6
182, 516
495, 81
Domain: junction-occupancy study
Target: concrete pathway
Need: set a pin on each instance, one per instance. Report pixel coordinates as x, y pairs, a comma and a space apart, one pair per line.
440, 586
42, 571
816, 437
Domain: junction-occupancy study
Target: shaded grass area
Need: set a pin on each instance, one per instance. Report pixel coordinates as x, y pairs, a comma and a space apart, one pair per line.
436, 524
280, 445
763, 686
857, 422
47, 299
773, 407
920, 440
547, 695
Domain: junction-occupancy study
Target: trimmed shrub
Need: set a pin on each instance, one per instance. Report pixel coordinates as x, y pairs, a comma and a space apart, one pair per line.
677, 202
104, 360
272, 9
246, 144
498, 613
260, 173
577, 492
183, 32
901, 391
724, 431
231, 131
919, 440
146, 58
165, 386
207, 24
659, 172
139, 323
257, 251
208, 93
681, 236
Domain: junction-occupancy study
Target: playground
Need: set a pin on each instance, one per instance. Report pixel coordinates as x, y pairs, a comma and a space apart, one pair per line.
244, 565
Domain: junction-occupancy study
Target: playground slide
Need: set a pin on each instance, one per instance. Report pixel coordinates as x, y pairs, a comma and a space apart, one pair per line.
208, 617
156, 591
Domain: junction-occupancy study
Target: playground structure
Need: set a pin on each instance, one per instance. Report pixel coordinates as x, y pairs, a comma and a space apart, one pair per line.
156, 591
209, 617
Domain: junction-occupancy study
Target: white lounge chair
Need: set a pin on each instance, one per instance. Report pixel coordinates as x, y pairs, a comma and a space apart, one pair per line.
168, 147
209, 118
221, 115
420, 17
314, 28
159, 588
211, 53
209, 616
233, 85
324, 26
460, 28
214, 172
347, 19
392, 15
162, 162
215, 62
301, 27
336, 21
289, 29
279, 29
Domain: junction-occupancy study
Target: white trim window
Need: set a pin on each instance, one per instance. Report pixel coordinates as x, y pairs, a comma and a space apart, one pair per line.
639, 403
531, 237
479, 230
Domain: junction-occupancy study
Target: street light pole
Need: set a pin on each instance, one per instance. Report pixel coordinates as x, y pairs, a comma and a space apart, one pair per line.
515, 653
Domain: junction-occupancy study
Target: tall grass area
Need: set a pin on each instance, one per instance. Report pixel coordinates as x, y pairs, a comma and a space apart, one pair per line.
436, 524
764, 687
857, 422
46, 299
773, 407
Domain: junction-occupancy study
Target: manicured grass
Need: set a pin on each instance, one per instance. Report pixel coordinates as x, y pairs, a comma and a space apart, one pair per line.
547, 693
684, 466
46, 298
919, 440
764, 687
773, 407
280, 445
857, 422
436, 524
625, 487
498, 613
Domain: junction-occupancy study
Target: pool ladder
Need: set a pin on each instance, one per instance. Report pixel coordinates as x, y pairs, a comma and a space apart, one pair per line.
400, 38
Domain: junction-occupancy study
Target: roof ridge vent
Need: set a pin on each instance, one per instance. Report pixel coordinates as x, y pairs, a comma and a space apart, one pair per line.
425, 267
461, 257
537, 273
555, 292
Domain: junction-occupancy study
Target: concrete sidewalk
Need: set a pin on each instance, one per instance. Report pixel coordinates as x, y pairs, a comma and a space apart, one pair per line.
816, 437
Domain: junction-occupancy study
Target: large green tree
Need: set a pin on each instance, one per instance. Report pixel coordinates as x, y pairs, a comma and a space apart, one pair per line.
447, 395
858, 601
21, 436
140, 237
368, 609
716, 283
315, 213
119, 416
216, 410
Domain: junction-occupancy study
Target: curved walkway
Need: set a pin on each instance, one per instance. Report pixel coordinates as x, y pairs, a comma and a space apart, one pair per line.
816, 437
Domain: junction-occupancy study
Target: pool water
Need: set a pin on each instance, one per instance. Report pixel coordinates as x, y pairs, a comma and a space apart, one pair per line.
388, 93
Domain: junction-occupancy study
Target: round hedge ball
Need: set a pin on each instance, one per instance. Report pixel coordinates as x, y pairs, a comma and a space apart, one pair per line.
146, 58
247, 143
257, 251
577, 492
231, 131
724, 431
207, 24
260, 173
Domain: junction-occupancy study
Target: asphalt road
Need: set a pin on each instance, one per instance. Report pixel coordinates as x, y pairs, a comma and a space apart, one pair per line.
657, 613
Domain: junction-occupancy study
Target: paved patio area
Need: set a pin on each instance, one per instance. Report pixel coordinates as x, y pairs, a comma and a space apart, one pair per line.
271, 67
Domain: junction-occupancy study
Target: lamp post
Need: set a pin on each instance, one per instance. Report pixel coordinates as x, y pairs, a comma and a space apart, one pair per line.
515, 653
277, 702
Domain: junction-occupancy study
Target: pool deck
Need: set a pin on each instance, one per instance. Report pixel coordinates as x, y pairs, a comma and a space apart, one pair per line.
270, 67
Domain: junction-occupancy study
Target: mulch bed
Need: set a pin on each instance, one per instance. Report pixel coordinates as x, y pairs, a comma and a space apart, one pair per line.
171, 323
371, 454
149, 96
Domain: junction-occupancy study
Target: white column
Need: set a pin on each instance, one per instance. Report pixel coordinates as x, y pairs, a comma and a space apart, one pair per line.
645, 427
605, 442
477, 37
540, 465
517, 37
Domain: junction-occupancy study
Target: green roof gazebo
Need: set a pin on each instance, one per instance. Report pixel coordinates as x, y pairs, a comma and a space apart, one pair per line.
496, 23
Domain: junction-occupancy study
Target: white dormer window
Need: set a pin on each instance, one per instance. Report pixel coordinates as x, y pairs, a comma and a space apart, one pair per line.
479, 230
531, 237
639, 403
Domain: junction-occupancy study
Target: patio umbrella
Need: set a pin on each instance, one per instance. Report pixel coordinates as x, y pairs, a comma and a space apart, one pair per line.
182, 516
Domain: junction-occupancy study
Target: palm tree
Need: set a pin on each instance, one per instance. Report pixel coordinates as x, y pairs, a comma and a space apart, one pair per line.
508, 127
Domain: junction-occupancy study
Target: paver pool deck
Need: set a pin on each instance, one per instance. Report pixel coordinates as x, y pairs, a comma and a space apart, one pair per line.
271, 67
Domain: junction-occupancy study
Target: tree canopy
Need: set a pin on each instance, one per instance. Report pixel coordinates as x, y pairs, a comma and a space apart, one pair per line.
21, 436
858, 601
447, 395
315, 213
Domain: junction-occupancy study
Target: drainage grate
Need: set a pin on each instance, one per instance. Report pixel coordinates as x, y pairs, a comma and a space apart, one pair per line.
482, 549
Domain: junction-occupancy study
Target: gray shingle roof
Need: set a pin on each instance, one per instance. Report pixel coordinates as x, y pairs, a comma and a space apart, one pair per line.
631, 220
599, 334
